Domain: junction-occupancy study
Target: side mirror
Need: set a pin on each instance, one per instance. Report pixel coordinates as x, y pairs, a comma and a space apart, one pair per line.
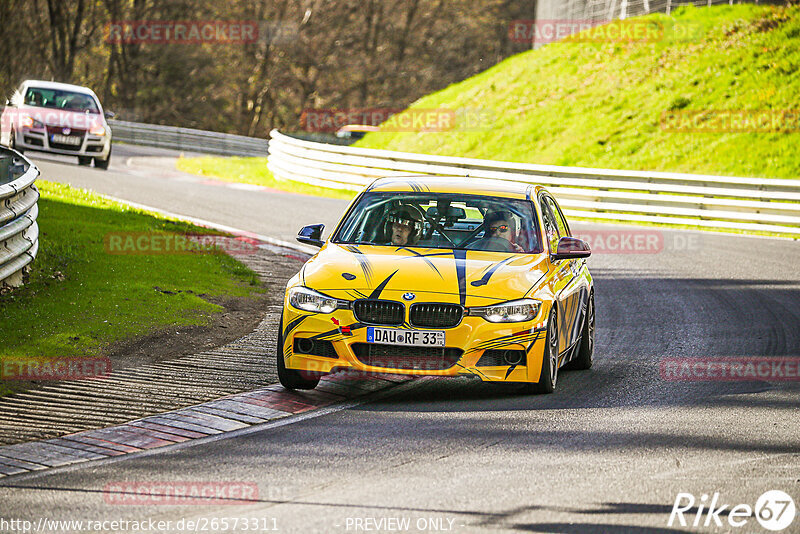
311, 235
109, 114
571, 248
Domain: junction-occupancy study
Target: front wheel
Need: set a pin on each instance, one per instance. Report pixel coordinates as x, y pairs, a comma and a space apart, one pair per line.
290, 378
549, 375
102, 163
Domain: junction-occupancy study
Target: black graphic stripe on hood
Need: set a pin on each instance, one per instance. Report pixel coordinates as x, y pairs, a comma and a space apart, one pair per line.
485, 280
363, 261
423, 256
376, 293
461, 273
356, 294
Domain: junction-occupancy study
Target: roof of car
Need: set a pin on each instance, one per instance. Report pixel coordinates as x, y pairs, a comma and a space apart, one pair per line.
43, 84
455, 184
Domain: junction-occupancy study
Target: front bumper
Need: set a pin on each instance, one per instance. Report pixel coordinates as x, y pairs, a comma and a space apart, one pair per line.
473, 336
38, 139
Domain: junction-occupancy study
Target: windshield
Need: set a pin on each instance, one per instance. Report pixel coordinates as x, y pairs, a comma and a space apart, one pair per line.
442, 220
58, 99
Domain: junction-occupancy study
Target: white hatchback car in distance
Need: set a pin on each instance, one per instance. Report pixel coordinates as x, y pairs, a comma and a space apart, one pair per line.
59, 118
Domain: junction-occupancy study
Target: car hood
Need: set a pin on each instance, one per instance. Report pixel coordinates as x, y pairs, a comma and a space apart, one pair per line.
472, 278
60, 118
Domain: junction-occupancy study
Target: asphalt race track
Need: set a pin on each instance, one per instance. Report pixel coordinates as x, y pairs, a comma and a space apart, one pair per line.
610, 450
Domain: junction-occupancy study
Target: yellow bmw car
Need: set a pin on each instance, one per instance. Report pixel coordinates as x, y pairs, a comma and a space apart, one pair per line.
441, 276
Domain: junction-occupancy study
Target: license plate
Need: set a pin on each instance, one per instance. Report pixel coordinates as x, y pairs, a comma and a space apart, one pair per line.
66, 139
396, 336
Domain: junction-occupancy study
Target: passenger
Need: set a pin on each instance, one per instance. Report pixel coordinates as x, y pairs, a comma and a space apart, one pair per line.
499, 225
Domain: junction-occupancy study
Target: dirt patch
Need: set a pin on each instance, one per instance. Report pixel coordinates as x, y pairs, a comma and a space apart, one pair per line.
241, 316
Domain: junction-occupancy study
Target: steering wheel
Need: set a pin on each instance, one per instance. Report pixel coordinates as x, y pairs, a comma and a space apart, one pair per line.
492, 244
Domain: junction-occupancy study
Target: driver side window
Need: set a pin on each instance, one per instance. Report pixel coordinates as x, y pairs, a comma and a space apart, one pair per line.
563, 229
550, 225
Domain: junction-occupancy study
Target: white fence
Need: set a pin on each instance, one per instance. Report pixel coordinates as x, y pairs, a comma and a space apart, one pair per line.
19, 232
724, 202
187, 139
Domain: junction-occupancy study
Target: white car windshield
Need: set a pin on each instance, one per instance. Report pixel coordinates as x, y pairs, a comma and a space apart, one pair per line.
58, 99
442, 220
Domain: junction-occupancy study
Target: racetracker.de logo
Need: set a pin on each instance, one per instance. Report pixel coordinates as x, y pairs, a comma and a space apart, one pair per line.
584, 31
181, 31
730, 369
384, 119
73, 368
152, 243
731, 121
180, 492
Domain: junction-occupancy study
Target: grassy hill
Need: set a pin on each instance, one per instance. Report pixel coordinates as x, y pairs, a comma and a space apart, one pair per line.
601, 104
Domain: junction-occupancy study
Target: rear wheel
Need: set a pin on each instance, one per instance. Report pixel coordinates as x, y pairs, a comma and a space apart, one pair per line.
585, 357
549, 375
84, 160
290, 378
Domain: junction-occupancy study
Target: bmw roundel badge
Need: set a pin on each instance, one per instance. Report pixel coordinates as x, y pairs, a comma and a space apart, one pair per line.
409, 296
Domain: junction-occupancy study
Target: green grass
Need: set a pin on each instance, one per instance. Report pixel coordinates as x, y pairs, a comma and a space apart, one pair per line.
251, 171
601, 104
80, 299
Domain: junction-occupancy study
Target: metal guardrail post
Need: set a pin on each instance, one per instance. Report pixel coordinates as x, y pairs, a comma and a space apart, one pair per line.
19, 231
187, 139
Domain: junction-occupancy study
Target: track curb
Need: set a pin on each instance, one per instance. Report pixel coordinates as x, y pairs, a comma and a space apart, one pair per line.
216, 418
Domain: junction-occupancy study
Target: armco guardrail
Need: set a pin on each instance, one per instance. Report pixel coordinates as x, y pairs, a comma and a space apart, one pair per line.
187, 139
753, 204
19, 233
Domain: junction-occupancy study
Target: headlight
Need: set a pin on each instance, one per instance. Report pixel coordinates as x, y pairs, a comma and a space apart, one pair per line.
29, 122
307, 299
515, 311
97, 130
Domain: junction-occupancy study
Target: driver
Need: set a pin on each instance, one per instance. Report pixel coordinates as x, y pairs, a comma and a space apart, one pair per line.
403, 226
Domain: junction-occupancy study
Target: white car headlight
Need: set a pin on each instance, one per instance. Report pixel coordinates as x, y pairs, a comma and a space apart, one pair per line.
307, 299
515, 311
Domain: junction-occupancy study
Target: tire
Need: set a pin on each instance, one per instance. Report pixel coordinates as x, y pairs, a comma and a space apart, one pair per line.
549, 374
289, 378
102, 163
84, 160
585, 357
